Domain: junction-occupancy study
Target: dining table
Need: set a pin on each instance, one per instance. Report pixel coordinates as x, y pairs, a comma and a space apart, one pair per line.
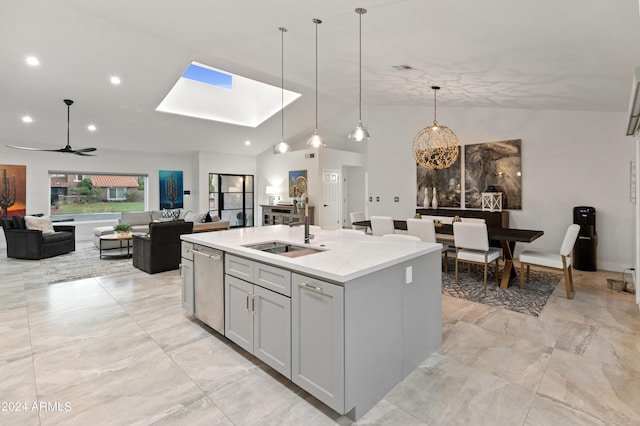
507, 237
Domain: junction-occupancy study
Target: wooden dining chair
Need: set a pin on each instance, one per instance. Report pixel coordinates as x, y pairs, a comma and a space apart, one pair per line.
472, 247
381, 225
425, 230
560, 261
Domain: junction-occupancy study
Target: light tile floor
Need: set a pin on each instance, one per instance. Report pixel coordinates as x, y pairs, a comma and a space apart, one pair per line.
118, 350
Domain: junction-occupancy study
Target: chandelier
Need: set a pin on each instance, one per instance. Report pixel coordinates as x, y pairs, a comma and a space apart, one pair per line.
435, 147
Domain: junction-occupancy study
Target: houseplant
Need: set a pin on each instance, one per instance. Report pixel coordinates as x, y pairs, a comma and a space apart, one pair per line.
122, 228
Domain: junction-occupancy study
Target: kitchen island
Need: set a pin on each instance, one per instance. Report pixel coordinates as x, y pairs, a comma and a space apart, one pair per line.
346, 317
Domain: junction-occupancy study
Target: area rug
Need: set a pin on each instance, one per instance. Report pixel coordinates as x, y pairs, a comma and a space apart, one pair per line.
530, 300
82, 263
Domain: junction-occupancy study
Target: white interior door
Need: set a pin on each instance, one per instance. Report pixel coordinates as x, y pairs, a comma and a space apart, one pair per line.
331, 206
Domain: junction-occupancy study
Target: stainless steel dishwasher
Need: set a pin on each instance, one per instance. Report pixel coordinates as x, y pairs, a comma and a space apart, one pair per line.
208, 275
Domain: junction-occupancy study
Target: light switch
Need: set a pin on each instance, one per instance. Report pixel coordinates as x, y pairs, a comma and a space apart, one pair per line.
408, 275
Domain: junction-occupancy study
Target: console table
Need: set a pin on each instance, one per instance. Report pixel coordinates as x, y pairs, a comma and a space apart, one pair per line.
284, 214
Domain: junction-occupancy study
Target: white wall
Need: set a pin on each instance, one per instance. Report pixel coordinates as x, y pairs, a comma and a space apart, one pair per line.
569, 158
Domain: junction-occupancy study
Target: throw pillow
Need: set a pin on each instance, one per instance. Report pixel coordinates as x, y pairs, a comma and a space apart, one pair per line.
200, 218
170, 214
215, 218
189, 216
39, 224
207, 218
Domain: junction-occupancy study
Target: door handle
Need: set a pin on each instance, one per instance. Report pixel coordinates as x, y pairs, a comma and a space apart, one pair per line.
326, 205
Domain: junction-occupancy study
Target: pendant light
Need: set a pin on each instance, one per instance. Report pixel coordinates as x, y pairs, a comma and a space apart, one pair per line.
360, 133
435, 147
315, 140
282, 146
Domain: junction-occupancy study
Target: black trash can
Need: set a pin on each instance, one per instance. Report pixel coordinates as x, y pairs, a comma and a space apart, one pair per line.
584, 252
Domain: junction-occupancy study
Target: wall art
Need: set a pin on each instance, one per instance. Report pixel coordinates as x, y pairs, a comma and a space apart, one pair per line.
497, 164
298, 183
446, 183
171, 187
13, 190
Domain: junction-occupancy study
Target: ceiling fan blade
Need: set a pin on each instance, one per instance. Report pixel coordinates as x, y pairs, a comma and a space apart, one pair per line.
28, 148
82, 153
86, 150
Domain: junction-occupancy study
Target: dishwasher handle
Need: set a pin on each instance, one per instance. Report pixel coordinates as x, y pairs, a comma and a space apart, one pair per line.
210, 256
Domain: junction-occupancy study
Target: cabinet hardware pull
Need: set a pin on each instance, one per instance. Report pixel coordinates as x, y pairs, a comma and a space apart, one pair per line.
312, 287
247, 298
253, 303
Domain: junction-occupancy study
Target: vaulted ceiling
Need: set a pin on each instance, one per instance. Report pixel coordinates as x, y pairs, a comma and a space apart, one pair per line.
543, 54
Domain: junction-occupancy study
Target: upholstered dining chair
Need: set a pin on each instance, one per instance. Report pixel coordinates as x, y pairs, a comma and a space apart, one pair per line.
402, 237
425, 229
345, 231
381, 225
472, 246
473, 220
560, 260
357, 217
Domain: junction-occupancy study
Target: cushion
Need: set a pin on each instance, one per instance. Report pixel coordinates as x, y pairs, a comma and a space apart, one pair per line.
170, 214
39, 224
215, 218
183, 214
135, 218
156, 215
207, 218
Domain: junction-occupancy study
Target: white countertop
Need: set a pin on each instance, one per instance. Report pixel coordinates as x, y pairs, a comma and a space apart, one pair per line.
345, 256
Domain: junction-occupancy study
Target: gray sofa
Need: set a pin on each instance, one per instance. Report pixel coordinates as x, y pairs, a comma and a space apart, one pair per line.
140, 221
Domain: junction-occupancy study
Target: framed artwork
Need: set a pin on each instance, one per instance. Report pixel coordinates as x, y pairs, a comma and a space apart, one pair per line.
13, 190
445, 182
171, 196
297, 183
496, 164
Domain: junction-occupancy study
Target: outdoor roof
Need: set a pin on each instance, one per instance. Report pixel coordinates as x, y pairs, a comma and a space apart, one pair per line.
111, 181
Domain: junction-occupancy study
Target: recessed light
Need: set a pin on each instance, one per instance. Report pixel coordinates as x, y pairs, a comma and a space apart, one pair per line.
27, 119
91, 127
115, 80
247, 143
33, 61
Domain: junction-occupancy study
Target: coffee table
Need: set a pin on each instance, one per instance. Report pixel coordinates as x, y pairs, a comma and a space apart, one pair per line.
116, 237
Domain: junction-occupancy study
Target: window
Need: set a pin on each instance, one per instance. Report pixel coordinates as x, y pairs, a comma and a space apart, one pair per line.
94, 197
116, 193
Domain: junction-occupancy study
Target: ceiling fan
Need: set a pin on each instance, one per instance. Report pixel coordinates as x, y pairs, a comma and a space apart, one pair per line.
67, 149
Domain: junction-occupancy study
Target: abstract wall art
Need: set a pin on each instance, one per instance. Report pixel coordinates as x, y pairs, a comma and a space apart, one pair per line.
496, 164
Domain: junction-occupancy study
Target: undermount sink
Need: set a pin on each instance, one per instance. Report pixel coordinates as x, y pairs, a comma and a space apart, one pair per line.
283, 249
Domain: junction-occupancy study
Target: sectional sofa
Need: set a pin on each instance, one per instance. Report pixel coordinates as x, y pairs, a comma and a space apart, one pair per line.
140, 221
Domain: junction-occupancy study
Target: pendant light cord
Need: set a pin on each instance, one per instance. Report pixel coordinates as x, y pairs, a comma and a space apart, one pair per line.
435, 104
68, 122
360, 71
317, 21
282, 30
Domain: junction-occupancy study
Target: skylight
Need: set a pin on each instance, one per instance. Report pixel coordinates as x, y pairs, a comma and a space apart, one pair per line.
212, 94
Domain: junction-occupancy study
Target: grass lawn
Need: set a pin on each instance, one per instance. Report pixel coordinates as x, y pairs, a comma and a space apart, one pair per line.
101, 207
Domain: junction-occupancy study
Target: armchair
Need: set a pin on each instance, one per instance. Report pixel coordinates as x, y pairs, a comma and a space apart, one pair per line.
159, 251
23, 243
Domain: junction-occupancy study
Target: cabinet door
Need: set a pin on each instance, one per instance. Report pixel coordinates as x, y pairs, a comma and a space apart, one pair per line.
317, 346
187, 287
272, 330
238, 313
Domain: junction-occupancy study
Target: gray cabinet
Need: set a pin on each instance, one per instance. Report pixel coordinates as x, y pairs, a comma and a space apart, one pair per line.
317, 339
186, 272
258, 319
